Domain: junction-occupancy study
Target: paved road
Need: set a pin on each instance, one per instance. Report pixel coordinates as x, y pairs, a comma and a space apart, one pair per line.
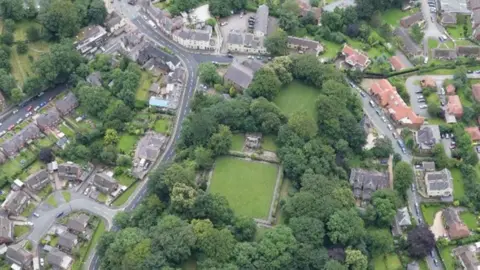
432, 28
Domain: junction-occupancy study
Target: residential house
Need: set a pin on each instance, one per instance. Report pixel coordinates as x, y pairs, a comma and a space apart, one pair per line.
253, 64
6, 230
475, 18
402, 221
468, 51
427, 82
150, 146
412, 19
426, 137
194, 38
253, 140
62, 142
245, 43
468, 256
397, 64
304, 45
95, 78
49, 120
177, 76
366, 182
409, 46
439, 183
78, 224
450, 89
18, 255
15, 202
67, 241
456, 229
13, 145
52, 166
149, 53
473, 4
449, 19
261, 21
67, 104
239, 75
59, 260
115, 23
38, 180
155, 89
428, 166
448, 54
93, 37
131, 39
355, 58
474, 133
104, 183
454, 106
476, 91
69, 171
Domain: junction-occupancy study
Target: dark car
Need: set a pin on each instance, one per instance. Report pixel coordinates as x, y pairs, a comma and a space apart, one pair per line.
230, 55
59, 214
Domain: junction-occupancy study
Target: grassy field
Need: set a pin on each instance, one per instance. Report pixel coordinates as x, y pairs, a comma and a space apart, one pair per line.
447, 258
237, 141
51, 200
393, 16
22, 63
458, 188
20, 230
469, 219
162, 125
248, 186
66, 196
429, 213
297, 96
145, 83
390, 262
125, 195
269, 143
127, 143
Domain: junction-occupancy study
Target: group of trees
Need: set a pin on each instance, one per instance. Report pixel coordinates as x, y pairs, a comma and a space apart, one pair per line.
18, 9
218, 8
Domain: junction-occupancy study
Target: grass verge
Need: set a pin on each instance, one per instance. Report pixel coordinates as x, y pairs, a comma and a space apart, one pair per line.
67, 196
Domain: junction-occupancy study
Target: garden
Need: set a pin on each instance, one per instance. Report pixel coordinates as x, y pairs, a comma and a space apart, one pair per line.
238, 139
247, 185
387, 262
429, 212
296, 97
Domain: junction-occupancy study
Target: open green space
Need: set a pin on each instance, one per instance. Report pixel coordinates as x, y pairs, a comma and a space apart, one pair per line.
331, 49
458, 188
387, 262
102, 197
268, 143
85, 250
448, 260
125, 195
34, 167
296, 97
162, 125
237, 141
432, 43
464, 42
469, 219
15, 166
67, 196
145, 83
247, 185
21, 27
429, 212
22, 63
393, 16
456, 31
127, 143
51, 200
45, 191
20, 230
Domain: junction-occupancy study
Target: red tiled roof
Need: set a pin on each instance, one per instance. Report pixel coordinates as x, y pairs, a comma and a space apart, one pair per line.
454, 106
474, 133
476, 92
355, 56
450, 89
458, 230
397, 63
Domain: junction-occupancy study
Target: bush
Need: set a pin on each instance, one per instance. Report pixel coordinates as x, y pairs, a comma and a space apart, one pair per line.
22, 47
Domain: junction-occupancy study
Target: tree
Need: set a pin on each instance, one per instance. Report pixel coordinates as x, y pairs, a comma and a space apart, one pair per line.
203, 158
307, 230
379, 242
12, 9
31, 10
215, 244
221, 141
265, 84
33, 33
95, 99
244, 228
124, 161
356, 260
416, 33
385, 211
46, 155
182, 198
288, 20
440, 157
97, 12
7, 38
279, 241
211, 21
208, 73
122, 219
420, 242
111, 137
303, 125
276, 43
402, 177
17, 95
61, 19
213, 207
7, 82
383, 148
22, 47
345, 227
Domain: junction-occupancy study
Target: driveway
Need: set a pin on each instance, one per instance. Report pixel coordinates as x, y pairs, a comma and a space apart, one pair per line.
437, 228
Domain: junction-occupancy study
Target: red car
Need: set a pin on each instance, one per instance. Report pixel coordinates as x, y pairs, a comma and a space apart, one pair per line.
11, 127
29, 108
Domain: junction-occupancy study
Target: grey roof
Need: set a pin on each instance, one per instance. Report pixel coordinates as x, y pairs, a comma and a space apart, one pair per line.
468, 256
59, 259
105, 182
261, 22
451, 216
403, 217
473, 4
177, 76
340, 4
67, 240
95, 78
49, 119
428, 166
69, 170
473, 51
15, 202
475, 18
78, 223
155, 88
38, 180
454, 6
112, 20
6, 228
150, 51
18, 255
67, 103
408, 44
254, 64
439, 180
310, 45
449, 18
239, 75
366, 182
412, 19
93, 31
149, 146
132, 39
441, 53
193, 34
427, 136
235, 37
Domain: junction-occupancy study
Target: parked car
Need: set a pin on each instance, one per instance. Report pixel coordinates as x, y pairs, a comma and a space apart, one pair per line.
389, 127
28, 114
230, 55
29, 108
12, 126
423, 106
59, 215
421, 100
372, 103
384, 119
394, 134
19, 121
2, 133
36, 108
447, 135
42, 262
377, 111
362, 94
223, 23
43, 104
35, 214
40, 94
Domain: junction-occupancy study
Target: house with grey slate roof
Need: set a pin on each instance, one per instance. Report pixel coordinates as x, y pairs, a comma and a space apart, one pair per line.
78, 224
366, 182
402, 221
67, 104
115, 23
15, 202
426, 137
69, 171
412, 19
49, 120
239, 75
245, 43
18, 255
67, 241
149, 146
304, 45
59, 260
104, 183
194, 38
439, 183
468, 51
95, 78
12, 146
37, 181
442, 53
408, 45
93, 38
6, 230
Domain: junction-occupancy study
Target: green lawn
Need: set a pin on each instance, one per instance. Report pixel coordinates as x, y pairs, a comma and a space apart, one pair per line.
429, 213
67, 196
21, 27
125, 195
67, 131
127, 143
247, 185
237, 141
36, 166
20, 230
393, 16
22, 63
458, 188
162, 125
432, 43
297, 96
269, 143
45, 191
456, 32
102, 197
54, 241
124, 179
27, 212
78, 264
142, 91
469, 219
448, 260
331, 49
464, 42
51, 200
390, 262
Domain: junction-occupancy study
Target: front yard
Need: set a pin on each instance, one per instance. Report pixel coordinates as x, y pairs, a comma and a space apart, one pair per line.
429, 212
20, 230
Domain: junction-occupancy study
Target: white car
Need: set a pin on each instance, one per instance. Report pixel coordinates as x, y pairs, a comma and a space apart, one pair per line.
389, 127
35, 214
42, 262
14, 111
19, 121
28, 114
36, 108
423, 106
384, 119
